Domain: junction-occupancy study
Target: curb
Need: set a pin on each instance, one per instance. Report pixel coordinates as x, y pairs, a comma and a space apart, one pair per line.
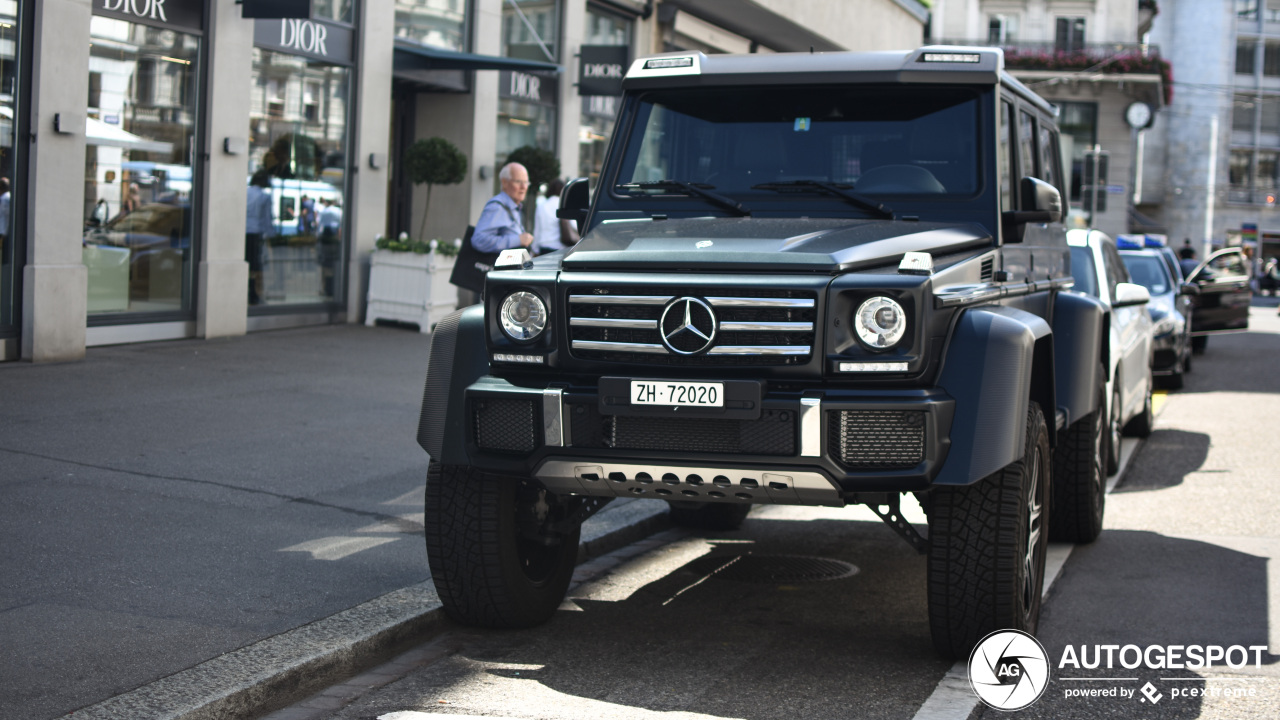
280, 670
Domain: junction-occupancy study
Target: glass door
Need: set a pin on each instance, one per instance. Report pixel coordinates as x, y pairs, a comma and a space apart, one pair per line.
139, 171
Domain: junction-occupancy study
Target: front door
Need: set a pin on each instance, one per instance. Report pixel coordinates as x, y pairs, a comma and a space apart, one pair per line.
1223, 303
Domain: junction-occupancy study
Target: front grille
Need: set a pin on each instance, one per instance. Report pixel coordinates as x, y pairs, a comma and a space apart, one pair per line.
504, 425
774, 433
877, 439
755, 326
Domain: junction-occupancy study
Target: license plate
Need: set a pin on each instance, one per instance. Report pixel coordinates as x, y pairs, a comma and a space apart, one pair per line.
682, 394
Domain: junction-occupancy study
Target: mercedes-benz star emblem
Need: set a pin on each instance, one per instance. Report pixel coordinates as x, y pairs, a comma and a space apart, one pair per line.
688, 326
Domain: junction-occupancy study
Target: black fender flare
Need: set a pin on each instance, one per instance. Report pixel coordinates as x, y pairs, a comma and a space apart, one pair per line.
1079, 352
458, 356
998, 359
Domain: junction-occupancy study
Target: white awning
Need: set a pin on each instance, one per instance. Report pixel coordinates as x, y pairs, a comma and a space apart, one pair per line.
99, 133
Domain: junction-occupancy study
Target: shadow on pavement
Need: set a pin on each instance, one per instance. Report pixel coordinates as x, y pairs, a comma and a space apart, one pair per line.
1164, 460
1206, 595
686, 640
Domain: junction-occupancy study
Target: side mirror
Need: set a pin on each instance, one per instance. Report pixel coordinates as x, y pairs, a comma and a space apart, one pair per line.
1040, 203
575, 201
1190, 289
1041, 198
1130, 294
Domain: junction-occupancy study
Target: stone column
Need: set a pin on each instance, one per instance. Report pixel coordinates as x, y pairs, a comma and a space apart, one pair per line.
222, 286
373, 136
55, 281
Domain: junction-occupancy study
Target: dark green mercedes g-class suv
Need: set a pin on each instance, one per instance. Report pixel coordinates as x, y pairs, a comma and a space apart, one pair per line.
808, 279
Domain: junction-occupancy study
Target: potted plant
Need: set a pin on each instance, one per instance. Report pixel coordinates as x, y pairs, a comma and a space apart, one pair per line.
409, 279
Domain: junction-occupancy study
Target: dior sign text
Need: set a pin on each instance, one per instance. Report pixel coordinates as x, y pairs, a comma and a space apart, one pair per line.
153, 9
601, 68
316, 39
304, 35
187, 15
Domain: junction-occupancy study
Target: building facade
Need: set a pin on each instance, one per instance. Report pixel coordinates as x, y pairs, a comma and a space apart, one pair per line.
1222, 145
1093, 61
207, 175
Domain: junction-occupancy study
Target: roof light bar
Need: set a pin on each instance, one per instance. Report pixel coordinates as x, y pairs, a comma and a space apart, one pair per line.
663, 63
951, 57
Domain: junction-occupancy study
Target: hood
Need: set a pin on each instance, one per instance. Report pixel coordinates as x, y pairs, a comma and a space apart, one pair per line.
827, 245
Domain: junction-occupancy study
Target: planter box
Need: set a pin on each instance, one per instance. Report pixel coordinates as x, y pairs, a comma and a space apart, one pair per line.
410, 288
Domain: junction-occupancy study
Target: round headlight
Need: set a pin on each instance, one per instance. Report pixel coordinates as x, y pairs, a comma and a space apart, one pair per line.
523, 315
880, 322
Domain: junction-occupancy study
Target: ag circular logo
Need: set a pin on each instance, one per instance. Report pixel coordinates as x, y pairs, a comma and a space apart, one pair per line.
688, 326
1009, 670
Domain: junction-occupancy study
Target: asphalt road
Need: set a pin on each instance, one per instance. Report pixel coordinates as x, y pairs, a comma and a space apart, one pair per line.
167, 503
695, 625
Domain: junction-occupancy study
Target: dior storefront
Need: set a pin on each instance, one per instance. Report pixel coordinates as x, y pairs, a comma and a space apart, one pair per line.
124, 218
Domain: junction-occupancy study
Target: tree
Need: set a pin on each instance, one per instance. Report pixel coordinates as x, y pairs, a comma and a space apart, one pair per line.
434, 161
543, 166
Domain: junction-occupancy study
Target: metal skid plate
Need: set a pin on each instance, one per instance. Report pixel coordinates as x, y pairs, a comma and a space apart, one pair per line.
691, 484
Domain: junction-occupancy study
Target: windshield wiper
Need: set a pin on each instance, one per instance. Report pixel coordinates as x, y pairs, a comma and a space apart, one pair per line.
701, 190
840, 191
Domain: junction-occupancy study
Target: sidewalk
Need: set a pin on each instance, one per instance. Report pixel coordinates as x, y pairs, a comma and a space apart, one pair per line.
169, 503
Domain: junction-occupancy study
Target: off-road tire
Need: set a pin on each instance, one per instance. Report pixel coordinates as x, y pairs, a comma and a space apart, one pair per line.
486, 572
1079, 484
710, 516
1142, 424
987, 549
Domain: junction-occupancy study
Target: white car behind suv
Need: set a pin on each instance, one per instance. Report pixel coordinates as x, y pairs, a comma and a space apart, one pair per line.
1099, 271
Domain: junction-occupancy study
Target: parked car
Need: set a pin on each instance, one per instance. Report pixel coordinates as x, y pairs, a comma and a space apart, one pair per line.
1222, 306
1099, 271
797, 285
1170, 311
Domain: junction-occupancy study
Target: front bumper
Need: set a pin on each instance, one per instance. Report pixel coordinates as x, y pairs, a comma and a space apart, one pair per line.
809, 447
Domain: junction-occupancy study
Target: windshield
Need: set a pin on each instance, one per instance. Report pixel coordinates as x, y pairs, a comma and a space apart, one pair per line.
1082, 270
875, 140
1149, 272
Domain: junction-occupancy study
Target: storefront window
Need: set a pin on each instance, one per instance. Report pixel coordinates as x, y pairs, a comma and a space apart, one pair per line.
599, 111
298, 139
531, 29
1079, 122
335, 10
438, 23
139, 179
8, 114
524, 123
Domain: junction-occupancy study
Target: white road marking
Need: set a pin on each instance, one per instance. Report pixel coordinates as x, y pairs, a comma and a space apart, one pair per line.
408, 523
336, 548
413, 497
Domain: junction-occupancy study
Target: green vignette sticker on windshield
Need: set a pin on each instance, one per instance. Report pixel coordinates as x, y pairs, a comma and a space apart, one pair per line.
802, 124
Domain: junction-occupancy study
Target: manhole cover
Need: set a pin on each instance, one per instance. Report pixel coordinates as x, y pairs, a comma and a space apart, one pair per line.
783, 569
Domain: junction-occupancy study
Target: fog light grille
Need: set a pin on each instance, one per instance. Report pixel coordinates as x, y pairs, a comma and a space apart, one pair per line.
505, 425
877, 439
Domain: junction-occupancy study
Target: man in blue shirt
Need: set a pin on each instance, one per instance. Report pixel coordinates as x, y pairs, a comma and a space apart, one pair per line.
259, 226
499, 227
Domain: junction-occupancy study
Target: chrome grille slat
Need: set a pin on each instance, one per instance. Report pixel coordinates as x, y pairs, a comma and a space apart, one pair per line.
621, 299
742, 302
766, 326
613, 323
619, 347
759, 350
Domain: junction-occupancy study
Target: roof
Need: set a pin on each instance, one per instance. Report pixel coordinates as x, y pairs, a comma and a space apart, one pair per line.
929, 64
